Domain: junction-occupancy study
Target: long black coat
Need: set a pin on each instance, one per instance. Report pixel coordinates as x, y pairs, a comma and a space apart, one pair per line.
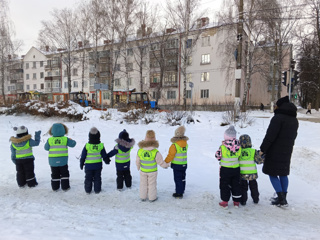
279, 140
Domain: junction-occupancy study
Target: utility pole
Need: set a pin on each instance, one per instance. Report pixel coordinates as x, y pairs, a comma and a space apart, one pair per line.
239, 57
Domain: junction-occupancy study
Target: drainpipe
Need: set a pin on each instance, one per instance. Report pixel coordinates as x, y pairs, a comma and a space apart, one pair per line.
179, 70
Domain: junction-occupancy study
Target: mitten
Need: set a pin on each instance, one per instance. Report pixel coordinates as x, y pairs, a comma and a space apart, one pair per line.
81, 165
107, 160
38, 132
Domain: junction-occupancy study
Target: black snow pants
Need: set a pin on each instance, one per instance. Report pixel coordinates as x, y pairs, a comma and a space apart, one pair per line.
93, 177
253, 185
58, 174
25, 172
230, 184
124, 176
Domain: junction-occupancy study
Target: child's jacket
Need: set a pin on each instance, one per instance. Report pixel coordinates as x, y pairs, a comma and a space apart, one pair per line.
178, 155
122, 152
21, 148
57, 145
228, 153
92, 155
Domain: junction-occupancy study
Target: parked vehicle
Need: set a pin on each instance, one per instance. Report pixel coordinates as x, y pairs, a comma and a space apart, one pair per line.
80, 97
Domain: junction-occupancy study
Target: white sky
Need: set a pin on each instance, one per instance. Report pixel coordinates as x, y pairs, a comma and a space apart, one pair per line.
28, 14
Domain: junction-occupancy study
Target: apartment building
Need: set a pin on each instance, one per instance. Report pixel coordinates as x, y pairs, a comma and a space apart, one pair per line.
139, 67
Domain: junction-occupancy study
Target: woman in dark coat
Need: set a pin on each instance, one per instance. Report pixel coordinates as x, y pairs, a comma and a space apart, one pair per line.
277, 146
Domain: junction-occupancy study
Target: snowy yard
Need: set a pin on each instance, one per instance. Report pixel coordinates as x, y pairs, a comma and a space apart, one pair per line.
40, 213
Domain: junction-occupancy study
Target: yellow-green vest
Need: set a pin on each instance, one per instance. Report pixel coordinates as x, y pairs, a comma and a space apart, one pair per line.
122, 157
148, 160
181, 155
229, 159
246, 160
23, 152
58, 146
93, 153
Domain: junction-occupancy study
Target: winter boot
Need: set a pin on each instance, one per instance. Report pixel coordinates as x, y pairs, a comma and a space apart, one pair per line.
281, 200
177, 195
236, 204
223, 204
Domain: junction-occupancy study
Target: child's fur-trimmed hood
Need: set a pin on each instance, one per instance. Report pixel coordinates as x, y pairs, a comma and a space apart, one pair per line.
20, 140
125, 143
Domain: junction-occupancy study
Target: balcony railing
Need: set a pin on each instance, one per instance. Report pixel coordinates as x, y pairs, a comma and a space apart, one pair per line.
154, 85
51, 78
53, 90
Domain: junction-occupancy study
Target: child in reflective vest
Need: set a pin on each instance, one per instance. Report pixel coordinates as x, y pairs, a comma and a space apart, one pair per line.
248, 169
122, 152
57, 145
228, 155
178, 157
22, 155
91, 157
147, 159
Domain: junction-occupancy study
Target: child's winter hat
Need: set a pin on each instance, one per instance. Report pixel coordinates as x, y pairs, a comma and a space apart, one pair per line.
245, 141
124, 135
230, 133
179, 134
150, 136
149, 140
21, 131
282, 100
94, 136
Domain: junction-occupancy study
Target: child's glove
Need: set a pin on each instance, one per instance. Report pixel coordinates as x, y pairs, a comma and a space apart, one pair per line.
81, 165
107, 160
37, 133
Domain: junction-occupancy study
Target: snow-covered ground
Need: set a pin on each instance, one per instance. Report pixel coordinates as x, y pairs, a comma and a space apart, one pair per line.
40, 213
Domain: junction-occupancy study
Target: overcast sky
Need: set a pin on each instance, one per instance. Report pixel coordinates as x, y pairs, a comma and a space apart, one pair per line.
28, 14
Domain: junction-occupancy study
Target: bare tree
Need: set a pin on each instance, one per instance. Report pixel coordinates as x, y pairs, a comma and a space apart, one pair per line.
185, 17
61, 32
6, 43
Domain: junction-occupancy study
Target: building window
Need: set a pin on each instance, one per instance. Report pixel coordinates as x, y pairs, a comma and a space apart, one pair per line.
117, 67
205, 93
144, 80
41, 63
27, 65
27, 76
189, 61
75, 72
42, 75
170, 78
130, 52
117, 82
42, 86
188, 94
48, 84
171, 95
65, 85
206, 41
34, 76
204, 77
155, 78
34, 86
155, 95
65, 74
34, 65
129, 66
130, 81
75, 84
28, 87
205, 58
85, 83
189, 43
155, 46
189, 77
106, 95
172, 43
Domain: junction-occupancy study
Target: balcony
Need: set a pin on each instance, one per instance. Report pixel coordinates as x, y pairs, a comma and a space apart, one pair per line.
170, 84
154, 85
51, 78
52, 66
53, 90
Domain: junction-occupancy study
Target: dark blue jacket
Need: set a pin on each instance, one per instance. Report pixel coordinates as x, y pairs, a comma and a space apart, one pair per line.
93, 166
124, 146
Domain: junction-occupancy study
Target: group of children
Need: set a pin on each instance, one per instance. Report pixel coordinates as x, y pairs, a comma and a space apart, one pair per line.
237, 162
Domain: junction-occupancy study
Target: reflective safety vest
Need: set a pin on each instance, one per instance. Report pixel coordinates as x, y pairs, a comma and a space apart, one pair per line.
122, 157
229, 159
58, 146
148, 160
181, 155
93, 153
246, 160
23, 152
